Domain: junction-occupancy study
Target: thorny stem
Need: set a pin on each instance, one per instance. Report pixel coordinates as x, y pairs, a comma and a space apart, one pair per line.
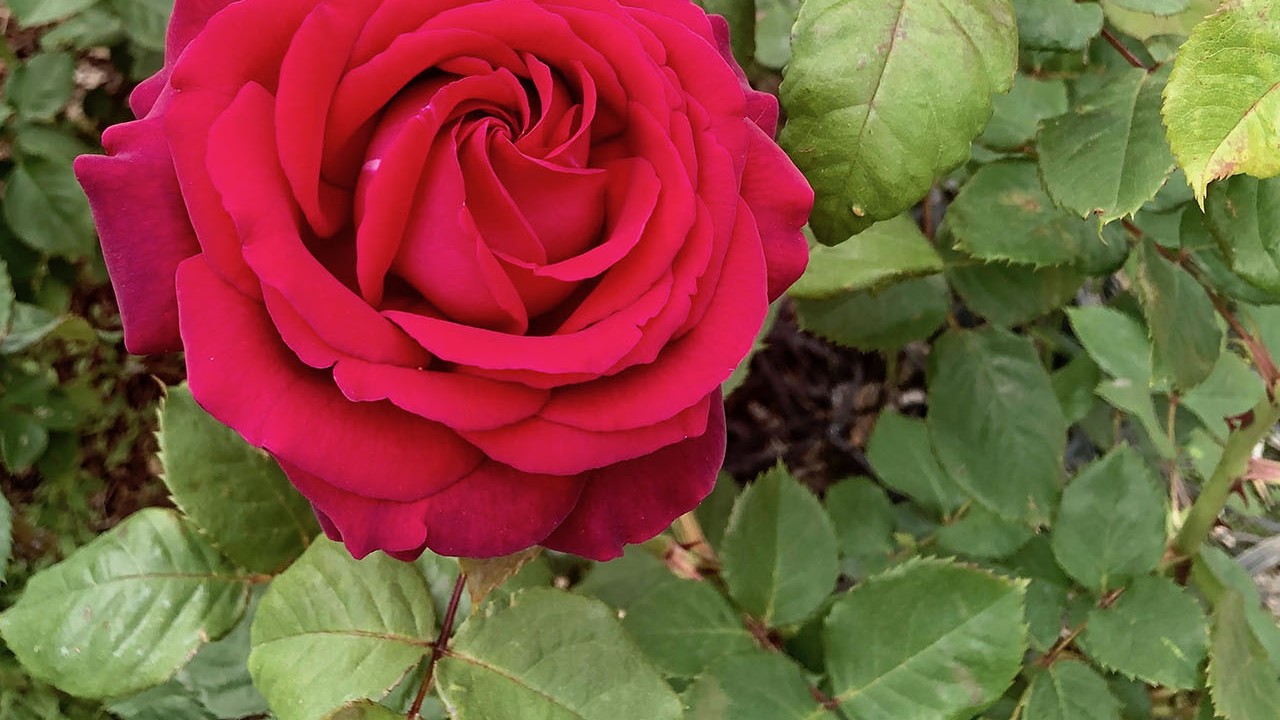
689, 532
1128, 55
438, 648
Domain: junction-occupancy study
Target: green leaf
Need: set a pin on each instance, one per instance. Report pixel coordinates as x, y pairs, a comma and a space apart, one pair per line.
6, 535
741, 16
1230, 390
1214, 573
773, 21
43, 203
1144, 26
887, 251
1070, 690
1108, 156
1209, 255
626, 580
1074, 385
927, 639
29, 325
218, 676
145, 21
1003, 213
883, 320
995, 422
39, 12
332, 629
1136, 400
169, 701
983, 534
1155, 632
1017, 116
1185, 337
1057, 24
572, 659
1116, 341
714, 510
127, 610
231, 490
1110, 525
484, 575
902, 456
1009, 294
873, 116
1243, 215
1223, 101
779, 552
96, 26
7, 299
364, 710
683, 626
40, 87
1153, 7
1046, 606
1241, 680
862, 515
23, 439
754, 686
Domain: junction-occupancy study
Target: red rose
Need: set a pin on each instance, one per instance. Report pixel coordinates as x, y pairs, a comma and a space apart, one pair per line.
472, 272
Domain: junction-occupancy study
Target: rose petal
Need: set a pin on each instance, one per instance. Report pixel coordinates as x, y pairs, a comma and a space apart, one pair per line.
780, 199
491, 512
243, 375
633, 501
145, 232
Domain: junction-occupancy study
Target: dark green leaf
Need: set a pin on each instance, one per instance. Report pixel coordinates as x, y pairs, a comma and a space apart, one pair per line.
627, 580
1243, 215
1057, 24
901, 454
356, 626
713, 512
39, 12
572, 660
1070, 690
127, 610
873, 117
40, 87
862, 515
779, 552
1108, 156
1110, 525
1242, 681
1074, 385
684, 626
927, 639
995, 422
1185, 337
773, 21
1154, 632
234, 492
1017, 116
753, 686
1145, 26
364, 710
144, 20
1230, 390
1046, 608
1116, 341
1009, 294
883, 320
983, 534
22, 441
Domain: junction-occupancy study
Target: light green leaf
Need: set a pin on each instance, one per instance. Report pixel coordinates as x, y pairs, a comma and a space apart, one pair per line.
1108, 156
231, 490
355, 626
1153, 7
862, 515
1241, 680
901, 454
364, 710
1230, 390
1222, 105
96, 26
29, 324
1185, 337
40, 87
1070, 690
169, 701
773, 21
626, 580
779, 552
1129, 397
886, 251
873, 116
1003, 213
995, 422
43, 203
127, 610
927, 639
753, 686
883, 320
1145, 26
1110, 525
1057, 24
39, 12
571, 659
6, 535
683, 626
1016, 117
1243, 216
1155, 632
1116, 341
983, 534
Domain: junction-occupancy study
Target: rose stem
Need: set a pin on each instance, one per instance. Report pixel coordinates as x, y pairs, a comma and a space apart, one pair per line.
439, 647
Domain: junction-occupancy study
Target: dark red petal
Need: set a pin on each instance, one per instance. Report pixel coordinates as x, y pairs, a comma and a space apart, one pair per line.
242, 374
144, 229
493, 511
633, 501
780, 199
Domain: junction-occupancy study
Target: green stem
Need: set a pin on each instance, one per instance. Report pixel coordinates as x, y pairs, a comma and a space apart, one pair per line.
1235, 461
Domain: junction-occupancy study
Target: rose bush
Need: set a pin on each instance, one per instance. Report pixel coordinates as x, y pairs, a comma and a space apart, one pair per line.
472, 272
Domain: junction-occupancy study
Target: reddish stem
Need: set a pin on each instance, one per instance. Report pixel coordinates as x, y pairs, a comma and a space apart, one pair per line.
438, 648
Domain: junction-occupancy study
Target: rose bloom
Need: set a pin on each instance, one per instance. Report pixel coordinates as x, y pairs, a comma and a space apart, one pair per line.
472, 272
